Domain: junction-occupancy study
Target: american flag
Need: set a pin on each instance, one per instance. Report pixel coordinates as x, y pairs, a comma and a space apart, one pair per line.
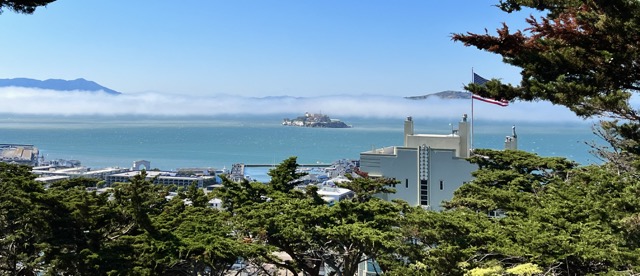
477, 79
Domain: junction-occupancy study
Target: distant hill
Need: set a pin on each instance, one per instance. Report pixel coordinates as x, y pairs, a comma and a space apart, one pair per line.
443, 95
57, 84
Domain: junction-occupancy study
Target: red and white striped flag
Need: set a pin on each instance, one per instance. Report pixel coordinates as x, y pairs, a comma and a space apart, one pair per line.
491, 101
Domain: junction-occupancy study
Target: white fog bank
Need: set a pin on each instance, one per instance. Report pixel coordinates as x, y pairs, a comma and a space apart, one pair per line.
25, 101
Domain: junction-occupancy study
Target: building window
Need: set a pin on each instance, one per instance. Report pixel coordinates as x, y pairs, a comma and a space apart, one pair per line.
406, 182
441, 185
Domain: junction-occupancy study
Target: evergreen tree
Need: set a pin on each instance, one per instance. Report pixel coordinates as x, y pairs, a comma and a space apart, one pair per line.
82, 226
21, 6
196, 196
310, 231
23, 221
582, 54
566, 220
285, 176
242, 194
149, 247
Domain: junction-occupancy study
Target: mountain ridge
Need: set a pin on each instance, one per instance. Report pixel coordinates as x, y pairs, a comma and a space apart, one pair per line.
58, 85
448, 94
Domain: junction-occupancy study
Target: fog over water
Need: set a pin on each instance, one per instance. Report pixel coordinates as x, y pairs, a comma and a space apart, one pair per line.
26, 101
174, 131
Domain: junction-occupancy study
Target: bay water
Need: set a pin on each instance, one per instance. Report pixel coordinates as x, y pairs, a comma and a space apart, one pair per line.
179, 142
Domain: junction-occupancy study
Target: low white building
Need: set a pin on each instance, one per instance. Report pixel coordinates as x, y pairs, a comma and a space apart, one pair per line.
163, 177
334, 194
52, 179
49, 174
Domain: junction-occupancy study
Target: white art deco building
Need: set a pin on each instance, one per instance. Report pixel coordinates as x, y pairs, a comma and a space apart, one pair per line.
428, 167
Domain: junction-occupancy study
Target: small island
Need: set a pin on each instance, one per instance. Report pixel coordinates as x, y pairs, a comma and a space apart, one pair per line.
315, 120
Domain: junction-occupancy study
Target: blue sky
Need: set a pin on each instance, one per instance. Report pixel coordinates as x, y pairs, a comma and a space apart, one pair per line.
256, 48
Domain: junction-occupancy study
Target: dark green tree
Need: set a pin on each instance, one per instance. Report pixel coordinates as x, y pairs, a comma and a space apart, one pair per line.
23, 221
582, 54
150, 247
285, 176
21, 6
287, 225
509, 180
564, 219
208, 244
311, 232
314, 234
196, 196
236, 195
85, 227
359, 232
439, 243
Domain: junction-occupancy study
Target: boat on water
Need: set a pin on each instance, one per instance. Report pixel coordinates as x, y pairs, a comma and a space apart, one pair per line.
315, 120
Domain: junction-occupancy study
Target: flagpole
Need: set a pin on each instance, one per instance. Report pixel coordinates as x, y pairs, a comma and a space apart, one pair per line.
472, 127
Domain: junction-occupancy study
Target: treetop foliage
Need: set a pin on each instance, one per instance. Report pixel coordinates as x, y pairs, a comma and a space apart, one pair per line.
285, 176
581, 54
570, 220
23, 6
554, 217
521, 215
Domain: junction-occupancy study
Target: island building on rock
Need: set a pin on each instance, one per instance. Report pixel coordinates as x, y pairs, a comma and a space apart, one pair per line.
315, 120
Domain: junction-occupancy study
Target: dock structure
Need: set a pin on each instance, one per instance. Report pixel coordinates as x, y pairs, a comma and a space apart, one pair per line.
19, 154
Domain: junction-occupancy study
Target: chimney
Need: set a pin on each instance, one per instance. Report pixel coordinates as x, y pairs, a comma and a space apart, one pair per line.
408, 130
465, 137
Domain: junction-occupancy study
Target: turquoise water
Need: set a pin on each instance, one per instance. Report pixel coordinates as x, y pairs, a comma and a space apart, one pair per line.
171, 143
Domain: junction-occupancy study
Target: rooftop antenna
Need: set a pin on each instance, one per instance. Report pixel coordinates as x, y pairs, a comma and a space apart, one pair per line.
511, 142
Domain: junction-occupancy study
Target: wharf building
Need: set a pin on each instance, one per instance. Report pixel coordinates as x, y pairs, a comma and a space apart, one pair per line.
203, 177
50, 175
58, 170
428, 167
19, 154
163, 177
